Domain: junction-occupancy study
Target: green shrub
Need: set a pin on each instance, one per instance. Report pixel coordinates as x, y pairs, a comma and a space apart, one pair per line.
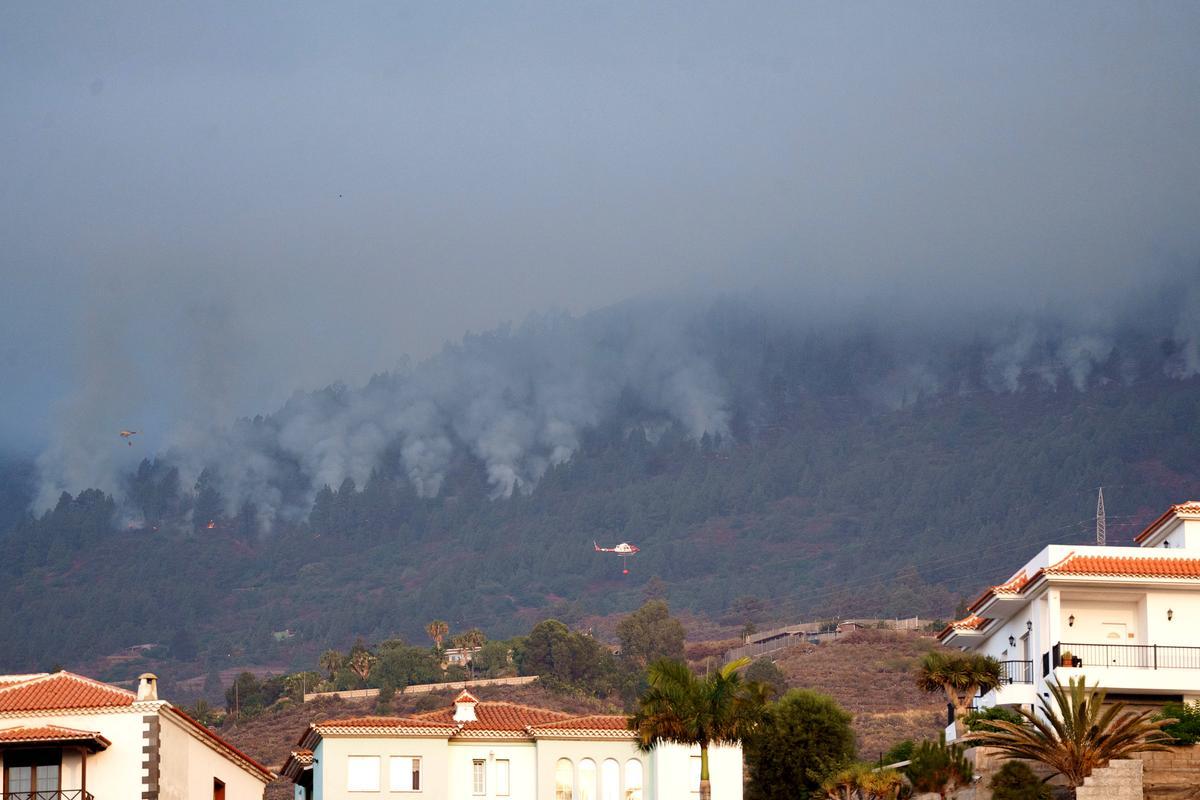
1001, 713
900, 751
1016, 781
1187, 729
939, 767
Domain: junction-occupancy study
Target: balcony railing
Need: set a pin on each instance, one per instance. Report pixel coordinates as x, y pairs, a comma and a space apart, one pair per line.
1016, 672
50, 794
1140, 656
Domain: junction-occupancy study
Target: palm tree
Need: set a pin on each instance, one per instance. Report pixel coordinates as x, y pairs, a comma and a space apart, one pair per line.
861, 782
331, 661
681, 708
469, 642
361, 662
1075, 732
960, 675
437, 631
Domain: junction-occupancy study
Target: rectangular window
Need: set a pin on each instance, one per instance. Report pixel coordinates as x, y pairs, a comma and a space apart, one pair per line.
694, 774
405, 774
218, 789
478, 776
502, 777
362, 774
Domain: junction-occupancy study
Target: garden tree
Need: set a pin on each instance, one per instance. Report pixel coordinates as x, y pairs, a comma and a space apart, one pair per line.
492, 660
802, 738
1183, 721
248, 695
401, 665
960, 676
1016, 781
861, 782
361, 661
467, 642
437, 631
939, 767
900, 751
679, 707
565, 658
764, 671
1075, 731
650, 634
298, 683
331, 661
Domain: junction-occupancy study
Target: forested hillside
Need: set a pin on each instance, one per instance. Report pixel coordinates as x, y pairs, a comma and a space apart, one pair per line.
824, 496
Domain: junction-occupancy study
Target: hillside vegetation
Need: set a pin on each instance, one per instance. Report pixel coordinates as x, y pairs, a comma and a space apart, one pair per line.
819, 501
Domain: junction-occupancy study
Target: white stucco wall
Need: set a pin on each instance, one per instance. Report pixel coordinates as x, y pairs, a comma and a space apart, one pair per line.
598, 750
332, 758
188, 766
670, 770
114, 772
522, 760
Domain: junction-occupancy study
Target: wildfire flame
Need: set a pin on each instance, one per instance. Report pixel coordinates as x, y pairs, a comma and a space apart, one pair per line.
211, 525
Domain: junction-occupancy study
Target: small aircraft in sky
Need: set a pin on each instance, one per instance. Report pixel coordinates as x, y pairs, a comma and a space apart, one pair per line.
624, 550
128, 437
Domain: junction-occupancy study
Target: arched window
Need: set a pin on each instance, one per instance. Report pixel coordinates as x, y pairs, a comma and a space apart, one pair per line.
610, 780
587, 779
633, 779
564, 780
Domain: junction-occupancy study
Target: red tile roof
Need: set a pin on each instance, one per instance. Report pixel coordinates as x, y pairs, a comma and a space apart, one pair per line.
497, 716
61, 690
595, 722
51, 733
466, 697
1127, 567
384, 723
1190, 507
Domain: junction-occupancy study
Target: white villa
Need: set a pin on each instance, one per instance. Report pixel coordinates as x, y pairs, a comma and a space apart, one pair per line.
1126, 617
67, 737
498, 751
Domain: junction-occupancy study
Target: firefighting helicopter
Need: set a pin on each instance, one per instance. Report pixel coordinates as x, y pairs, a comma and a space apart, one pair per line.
128, 437
624, 550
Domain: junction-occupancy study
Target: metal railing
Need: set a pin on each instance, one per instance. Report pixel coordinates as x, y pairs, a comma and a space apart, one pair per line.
50, 794
1138, 656
1016, 672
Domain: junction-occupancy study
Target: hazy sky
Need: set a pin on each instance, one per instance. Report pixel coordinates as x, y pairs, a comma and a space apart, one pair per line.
202, 209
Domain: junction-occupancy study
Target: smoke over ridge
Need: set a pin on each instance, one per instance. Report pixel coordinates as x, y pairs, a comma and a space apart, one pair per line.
520, 400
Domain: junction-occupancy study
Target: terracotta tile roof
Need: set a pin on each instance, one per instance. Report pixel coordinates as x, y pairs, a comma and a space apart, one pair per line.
384, 723
588, 724
971, 622
1012, 586
62, 690
303, 756
466, 697
497, 716
1190, 507
51, 733
1127, 567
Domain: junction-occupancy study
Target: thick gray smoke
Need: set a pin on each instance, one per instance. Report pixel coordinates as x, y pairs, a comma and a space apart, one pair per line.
521, 400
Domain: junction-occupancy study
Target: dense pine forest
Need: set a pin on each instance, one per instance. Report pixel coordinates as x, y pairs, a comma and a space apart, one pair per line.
837, 486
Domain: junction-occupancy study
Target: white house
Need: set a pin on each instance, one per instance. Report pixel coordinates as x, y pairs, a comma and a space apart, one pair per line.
1126, 617
498, 751
67, 737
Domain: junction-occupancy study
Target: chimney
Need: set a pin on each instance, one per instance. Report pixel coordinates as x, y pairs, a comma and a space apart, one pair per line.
464, 707
147, 686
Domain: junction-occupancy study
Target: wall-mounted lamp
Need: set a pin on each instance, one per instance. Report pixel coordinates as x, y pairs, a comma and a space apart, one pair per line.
1170, 615
1029, 626
1071, 621
1012, 641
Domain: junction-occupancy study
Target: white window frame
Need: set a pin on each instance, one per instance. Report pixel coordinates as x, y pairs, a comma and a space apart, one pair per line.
351, 786
503, 777
413, 764
478, 777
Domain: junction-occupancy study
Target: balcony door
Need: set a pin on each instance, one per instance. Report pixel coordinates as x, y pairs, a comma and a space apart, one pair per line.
30, 772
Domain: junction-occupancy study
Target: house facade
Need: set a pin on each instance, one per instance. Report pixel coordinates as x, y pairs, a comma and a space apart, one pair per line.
67, 737
1125, 617
498, 751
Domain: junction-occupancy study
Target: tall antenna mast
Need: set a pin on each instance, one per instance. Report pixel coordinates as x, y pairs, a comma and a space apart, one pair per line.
1100, 521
